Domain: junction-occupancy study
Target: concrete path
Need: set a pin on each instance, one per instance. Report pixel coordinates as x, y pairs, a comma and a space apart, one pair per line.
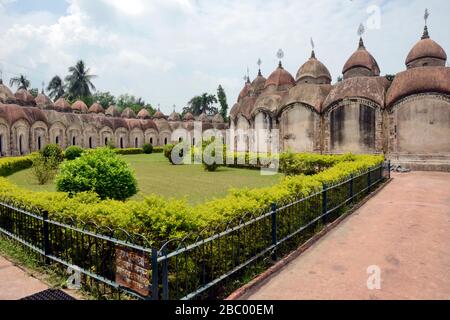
15, 284
404, 230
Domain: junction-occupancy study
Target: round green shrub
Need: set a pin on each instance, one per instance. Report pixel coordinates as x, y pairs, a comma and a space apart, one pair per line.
53, 151
73, 152
148, 148
101, 171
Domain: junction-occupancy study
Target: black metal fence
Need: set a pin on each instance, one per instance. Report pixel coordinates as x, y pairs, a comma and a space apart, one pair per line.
112, 262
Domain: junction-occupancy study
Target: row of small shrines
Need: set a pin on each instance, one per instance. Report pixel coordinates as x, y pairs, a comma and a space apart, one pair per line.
27, 124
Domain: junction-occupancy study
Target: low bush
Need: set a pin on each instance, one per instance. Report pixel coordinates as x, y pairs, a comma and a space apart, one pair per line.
158, 149
10, 165
168, 152
44, 169
101, 171
147, 148
129, 151
73, 152
209, 159
54, 152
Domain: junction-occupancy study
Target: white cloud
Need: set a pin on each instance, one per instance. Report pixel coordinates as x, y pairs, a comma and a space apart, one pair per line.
169, 50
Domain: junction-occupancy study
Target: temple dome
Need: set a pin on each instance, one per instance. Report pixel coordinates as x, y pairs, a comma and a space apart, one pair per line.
257, 85
174, 116
426, 52
143, 114
6, 95
128, 114
62, 105
112, 111
361, 63
188, 117
96, 108
159, 115
313, 70
218, 118
24, 97
280, 78
43, 102
245, 91
203, 118
80, 107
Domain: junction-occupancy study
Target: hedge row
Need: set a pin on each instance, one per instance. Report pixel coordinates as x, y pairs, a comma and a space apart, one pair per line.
161, 219
137, 150
11, 165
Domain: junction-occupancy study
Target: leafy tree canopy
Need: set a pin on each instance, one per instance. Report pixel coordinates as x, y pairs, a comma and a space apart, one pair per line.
199, 104
223, 102
21, 82
79, 81
56, 88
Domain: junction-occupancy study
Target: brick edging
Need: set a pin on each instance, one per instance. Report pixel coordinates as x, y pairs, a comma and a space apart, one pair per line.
283, 262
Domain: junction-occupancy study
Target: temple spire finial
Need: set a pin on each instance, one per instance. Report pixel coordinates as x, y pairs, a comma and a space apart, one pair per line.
426, 35
361, 31
313, 54
1, 76
259, 63
280, 56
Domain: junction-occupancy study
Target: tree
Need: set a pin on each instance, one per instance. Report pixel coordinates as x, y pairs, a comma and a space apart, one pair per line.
56, 88
199, 104
135, 104
223, 102
34, 92
21, 82
79, 81
104, 98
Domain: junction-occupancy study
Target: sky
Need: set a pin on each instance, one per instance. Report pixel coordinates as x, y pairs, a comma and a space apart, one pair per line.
167, 51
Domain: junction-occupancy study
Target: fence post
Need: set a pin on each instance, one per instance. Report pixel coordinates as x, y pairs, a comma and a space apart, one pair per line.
155, 282
274, 229
165, 275
389, 169
324, 204
46, 237
369, 182
351, 188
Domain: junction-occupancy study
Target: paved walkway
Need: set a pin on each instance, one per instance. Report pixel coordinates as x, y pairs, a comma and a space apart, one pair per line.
404, 230
15, 283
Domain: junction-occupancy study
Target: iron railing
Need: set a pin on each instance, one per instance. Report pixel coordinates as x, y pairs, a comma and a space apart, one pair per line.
190, 268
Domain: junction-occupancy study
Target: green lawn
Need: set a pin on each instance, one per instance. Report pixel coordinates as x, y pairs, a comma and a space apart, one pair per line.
156, 175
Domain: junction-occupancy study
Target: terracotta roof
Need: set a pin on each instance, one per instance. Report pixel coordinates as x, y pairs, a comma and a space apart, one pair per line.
80, 107
6, 95
62, 105
203, 118
112, 111
24, 97
159, 115
96, 108
128, 113
218, 118
13, 112
313, 68
188, 117
280, 77
174, 116
419, 80
371, 88
362, 58
245, 91
143, 114
310, 94
44, 102
259, 83
426, 48
148, 124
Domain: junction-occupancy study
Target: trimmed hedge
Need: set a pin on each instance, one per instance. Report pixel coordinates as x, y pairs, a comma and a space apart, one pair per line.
161, 219
137, 150
10, 165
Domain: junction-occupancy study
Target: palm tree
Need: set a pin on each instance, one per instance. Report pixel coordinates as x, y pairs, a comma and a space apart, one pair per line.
56, 88
22, 82
79, 83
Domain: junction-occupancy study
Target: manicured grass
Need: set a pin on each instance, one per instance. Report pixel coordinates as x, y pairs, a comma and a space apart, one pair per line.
155, 175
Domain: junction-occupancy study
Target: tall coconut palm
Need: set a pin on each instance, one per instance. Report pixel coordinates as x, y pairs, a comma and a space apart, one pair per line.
56, 88
79, 84
21, 82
